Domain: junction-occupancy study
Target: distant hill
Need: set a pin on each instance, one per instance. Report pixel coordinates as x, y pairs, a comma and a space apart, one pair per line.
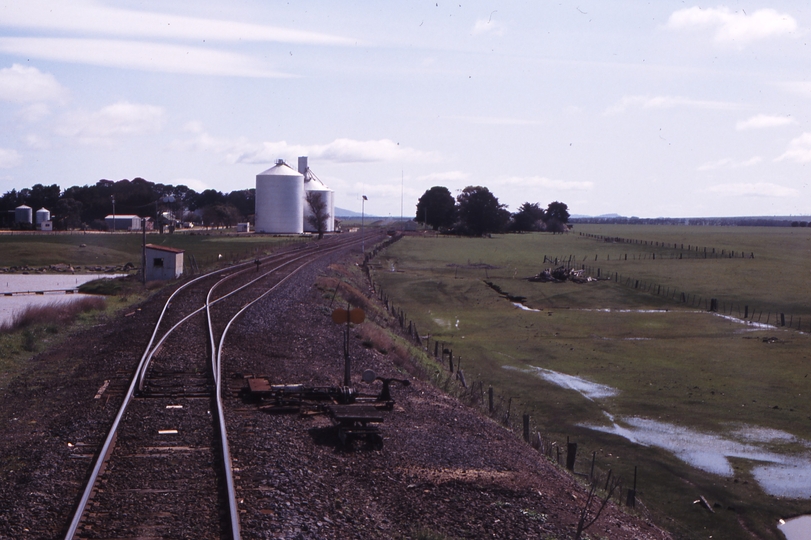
581, 216
343, 212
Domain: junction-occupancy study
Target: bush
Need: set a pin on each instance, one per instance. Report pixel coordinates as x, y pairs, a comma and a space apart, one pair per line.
54, 313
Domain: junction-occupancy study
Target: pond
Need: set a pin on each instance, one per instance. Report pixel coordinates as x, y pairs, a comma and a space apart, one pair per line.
798, 528
779, 473
53, 286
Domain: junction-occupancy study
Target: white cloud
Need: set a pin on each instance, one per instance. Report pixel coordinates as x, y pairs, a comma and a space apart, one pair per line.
495, 120
349, 151
729, 163
734, 27
139, 55
89, 17
764, 121
799, 149
450, 176
116, 120
759, 189
20, 84
668, 102
543, 182
9, 158
340, 150
487, 26
802, 88
36, 142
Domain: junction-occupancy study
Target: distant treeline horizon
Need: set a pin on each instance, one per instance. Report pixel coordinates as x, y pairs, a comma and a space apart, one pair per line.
740, 221
85, 207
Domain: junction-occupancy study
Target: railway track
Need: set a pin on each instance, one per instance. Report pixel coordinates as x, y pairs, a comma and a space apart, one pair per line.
164, 470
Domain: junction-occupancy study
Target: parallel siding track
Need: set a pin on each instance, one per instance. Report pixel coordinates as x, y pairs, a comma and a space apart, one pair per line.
164, 470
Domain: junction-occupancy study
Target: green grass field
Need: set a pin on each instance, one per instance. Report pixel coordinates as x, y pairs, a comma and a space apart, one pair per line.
104, 249
691, 387
118, 249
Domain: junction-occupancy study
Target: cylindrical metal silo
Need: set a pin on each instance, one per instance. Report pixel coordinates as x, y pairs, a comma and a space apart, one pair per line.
312, 184
279, 192
43, 215
23, 214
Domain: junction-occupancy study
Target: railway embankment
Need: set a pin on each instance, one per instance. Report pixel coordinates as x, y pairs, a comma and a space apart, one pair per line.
444, 470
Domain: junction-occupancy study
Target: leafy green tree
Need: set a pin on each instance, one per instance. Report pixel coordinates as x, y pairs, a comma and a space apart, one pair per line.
244, 200
436, 208
557, 216
319, 216
528, 218
480, 212
43, 196
67, 214
558, 211
208, 197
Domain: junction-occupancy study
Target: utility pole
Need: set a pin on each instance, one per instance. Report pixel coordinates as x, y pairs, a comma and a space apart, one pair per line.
143, 250
362, 212
112, 198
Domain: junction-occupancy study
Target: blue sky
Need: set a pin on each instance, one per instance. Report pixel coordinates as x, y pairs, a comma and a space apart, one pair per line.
639, 108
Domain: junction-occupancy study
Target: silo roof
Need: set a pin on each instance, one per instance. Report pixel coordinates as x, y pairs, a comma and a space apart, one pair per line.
313, 183
280, 169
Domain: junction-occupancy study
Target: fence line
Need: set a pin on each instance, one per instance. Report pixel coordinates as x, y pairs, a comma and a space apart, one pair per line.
497, 407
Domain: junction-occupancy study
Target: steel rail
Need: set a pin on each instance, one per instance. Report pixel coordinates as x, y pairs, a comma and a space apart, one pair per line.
105, 449
216, 355
148, 353
144, 366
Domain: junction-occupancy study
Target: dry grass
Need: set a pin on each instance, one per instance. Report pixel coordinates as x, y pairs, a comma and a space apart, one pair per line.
52, 313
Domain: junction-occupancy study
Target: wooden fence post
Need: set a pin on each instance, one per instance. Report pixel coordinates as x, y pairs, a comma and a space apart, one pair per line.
631, 499
571, 454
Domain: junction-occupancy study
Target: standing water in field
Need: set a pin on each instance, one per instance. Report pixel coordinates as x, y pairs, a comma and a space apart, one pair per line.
588, 389
24, 283
779, 474
798, 528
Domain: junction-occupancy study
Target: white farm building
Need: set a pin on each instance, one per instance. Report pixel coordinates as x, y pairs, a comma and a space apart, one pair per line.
281, 205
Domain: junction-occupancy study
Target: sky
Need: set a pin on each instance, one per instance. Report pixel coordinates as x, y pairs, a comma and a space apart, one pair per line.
648, 109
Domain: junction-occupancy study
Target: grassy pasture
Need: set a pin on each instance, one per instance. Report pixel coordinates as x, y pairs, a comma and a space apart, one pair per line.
118, 249
682, 367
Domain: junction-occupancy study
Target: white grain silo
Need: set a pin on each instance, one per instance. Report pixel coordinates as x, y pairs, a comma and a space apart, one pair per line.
43, 215
314, 185
23, 214
279, 192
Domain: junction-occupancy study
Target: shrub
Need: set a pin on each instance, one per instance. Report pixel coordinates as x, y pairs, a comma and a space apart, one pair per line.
52, 314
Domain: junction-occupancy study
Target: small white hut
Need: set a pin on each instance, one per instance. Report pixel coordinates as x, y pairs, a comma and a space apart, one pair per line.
163, 263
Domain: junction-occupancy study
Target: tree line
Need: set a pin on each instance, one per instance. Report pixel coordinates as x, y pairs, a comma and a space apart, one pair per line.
85, 207
476, 212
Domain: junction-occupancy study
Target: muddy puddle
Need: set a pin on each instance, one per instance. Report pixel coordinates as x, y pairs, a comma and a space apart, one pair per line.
798, 528
781, 474
56, 283
588, 389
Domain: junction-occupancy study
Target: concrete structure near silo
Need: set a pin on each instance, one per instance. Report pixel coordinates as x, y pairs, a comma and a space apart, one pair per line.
281, 199
23, 214
125, 222
43, 215
163, 263
313, 185
279, 192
